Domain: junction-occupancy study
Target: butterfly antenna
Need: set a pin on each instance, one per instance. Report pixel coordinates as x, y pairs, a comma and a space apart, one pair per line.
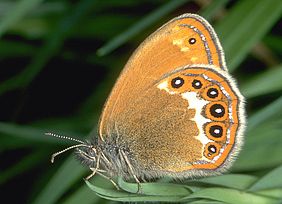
67, 149
64, 137
82, 144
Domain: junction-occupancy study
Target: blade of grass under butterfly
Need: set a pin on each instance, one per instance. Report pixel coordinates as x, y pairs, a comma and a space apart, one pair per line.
238, 181
275, 193
123, 196
49, 49
271, 180
20, 9
156, 189
231, 196
139, 26
68, 173
244, 26
205, 201
269, 81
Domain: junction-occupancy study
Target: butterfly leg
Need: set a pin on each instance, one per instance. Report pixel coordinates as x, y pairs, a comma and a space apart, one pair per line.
94, 170
86, 155
131, 170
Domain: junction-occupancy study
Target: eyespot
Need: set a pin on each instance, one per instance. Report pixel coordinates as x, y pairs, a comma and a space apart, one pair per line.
217, 110
177, 82
211, 150
212, 93
197, 84
216, 131
192, 41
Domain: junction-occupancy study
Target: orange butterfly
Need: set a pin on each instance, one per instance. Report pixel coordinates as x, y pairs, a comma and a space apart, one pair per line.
174, 111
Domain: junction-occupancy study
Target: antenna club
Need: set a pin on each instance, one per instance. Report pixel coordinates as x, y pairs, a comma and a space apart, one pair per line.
52, 159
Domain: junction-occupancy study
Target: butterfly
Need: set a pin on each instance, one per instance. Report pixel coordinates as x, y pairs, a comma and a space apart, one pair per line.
174, 111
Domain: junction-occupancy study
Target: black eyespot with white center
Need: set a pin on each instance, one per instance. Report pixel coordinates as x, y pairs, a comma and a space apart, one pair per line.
192, 41
217, 110
212, 149
216, 131
177, 82
212, 93
197, 84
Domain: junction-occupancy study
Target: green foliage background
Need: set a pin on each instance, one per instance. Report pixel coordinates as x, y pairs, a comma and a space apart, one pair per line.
59, 60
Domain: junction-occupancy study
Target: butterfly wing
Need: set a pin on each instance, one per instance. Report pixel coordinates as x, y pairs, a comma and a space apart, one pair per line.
189, 123
185, 40
156, 112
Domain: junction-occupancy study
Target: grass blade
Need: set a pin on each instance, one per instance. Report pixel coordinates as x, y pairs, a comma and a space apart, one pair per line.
21, 9
269, 81
139, 26
271, 180
123, 196
238, 181
272, 110
85, 194
212, 8
156, 189
259, 145
244, 26
49, 49
231, 196
66, 176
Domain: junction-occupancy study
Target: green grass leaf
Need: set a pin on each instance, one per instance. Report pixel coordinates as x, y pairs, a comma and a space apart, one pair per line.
271, 180
49, 49
265, 83
139, 26
244, 26
124, 196
273, 110
259, 145
238, 181
212, 8
22, 8
231, 196
83, 193
65, 177
275, 193
156, 189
